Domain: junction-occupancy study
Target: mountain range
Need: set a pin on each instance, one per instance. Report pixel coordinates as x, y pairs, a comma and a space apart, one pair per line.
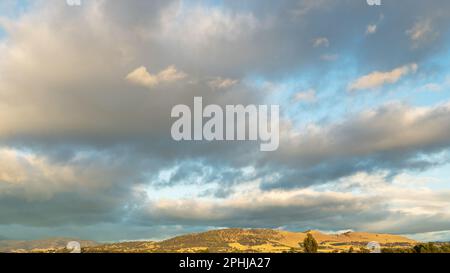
221, 241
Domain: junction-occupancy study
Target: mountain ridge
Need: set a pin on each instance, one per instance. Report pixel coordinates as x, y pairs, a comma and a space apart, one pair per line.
254, 240
220, 241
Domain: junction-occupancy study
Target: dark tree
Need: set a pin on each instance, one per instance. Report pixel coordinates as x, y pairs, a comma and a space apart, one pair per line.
310, 244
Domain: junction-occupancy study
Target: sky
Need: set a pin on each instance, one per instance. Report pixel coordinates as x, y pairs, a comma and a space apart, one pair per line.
86, 94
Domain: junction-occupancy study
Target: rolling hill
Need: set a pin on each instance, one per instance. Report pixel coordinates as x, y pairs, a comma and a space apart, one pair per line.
254, 240
45, 245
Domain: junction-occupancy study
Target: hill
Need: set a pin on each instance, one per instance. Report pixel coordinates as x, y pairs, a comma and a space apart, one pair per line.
254, 240
45, 245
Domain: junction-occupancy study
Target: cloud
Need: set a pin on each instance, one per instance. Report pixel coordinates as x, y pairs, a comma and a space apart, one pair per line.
221, 83
394, 137
437, 236
422, 33
377, 79
321, 42
142, 77
371, 29
435, 86
306, 96
250, 207
388, 205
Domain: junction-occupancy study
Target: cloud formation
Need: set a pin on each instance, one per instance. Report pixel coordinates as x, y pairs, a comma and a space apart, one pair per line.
421, 33
220, 83
321, 41
371, 29
142, 77
377, 78
391, 138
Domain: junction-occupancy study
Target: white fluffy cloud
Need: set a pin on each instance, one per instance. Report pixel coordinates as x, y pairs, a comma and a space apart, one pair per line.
378, 79
142, 77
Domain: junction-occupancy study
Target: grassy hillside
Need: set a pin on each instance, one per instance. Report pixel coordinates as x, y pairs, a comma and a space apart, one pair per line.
44, 245
255, 240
